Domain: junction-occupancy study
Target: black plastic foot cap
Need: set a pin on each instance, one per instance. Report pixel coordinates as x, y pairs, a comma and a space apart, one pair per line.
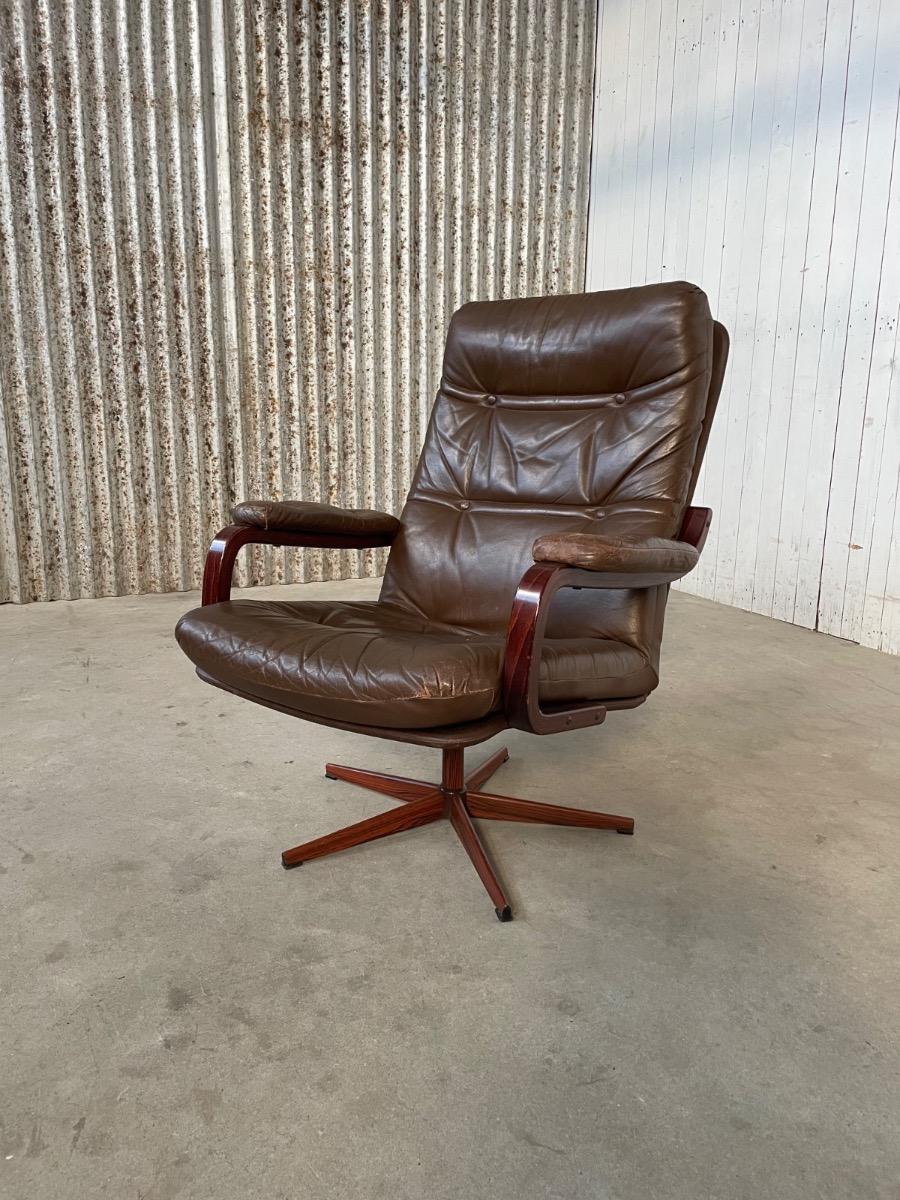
289, 866
327, 776
630, 832
504, 914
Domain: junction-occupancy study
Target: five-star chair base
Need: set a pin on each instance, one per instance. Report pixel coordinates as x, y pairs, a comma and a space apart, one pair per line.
458, 798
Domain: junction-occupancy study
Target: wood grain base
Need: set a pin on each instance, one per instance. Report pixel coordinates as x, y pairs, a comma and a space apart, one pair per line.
458, 798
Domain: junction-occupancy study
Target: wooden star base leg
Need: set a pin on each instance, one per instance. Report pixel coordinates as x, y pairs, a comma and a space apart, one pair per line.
458, 798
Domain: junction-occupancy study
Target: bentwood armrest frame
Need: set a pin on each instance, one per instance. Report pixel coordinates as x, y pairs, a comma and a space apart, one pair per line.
528, 621
222, 553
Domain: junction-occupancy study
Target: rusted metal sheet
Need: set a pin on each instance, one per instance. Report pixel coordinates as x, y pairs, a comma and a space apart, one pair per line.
231, 237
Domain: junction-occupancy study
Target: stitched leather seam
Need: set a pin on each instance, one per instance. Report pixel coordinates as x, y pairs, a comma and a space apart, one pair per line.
616, 506
643, 392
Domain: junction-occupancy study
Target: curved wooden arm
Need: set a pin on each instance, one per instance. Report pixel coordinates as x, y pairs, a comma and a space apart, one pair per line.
528, 620
695, 527
522, 661
222, 553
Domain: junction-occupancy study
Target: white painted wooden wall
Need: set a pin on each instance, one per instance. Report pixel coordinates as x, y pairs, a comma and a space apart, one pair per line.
752, 148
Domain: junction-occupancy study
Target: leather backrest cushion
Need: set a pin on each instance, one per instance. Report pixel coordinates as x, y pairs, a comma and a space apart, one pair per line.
556, 413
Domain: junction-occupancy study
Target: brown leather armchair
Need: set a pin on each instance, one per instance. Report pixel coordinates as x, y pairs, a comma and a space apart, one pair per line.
561, 457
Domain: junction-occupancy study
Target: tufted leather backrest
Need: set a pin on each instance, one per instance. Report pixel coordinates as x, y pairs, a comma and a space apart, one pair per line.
579, 412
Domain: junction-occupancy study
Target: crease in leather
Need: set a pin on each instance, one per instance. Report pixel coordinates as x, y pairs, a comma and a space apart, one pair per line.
492, 480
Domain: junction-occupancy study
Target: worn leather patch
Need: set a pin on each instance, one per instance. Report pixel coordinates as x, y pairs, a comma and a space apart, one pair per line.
594, 552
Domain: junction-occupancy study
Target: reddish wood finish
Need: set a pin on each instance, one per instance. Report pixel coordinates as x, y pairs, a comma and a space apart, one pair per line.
453, 778
223, 551
468, 835
528, 620
475, 779
389, 785
395, 820
456, 798
521, 663
695, 527
506, 808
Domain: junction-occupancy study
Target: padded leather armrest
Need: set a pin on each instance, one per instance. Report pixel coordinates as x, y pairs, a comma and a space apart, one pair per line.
299, 516
618, 556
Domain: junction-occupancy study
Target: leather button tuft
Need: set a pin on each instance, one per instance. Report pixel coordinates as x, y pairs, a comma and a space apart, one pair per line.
464, 504
599, 513
491, 399
619, 398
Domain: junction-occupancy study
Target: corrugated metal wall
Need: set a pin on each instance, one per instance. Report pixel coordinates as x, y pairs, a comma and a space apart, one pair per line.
231, 237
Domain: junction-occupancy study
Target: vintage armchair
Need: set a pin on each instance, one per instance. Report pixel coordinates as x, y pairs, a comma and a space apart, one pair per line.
529, 569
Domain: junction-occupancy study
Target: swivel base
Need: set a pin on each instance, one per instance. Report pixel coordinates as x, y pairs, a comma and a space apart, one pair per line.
458, 798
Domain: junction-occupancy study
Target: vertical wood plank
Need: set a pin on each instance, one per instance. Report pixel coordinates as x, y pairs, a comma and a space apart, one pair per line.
755, 152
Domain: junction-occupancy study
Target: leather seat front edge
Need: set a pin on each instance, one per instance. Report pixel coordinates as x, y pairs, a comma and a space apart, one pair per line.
372, 663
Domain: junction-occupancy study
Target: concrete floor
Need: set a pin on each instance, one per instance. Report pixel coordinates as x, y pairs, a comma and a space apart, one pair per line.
706, 1010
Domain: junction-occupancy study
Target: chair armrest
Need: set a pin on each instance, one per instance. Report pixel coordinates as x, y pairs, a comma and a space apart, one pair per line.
301, 516
622, 562
220, 559
524, 643
620, 565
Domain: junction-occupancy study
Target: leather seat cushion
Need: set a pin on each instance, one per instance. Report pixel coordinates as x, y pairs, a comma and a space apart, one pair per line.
372, 663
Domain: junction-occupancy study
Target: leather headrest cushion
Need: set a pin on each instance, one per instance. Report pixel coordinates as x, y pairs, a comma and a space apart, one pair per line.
593, 343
